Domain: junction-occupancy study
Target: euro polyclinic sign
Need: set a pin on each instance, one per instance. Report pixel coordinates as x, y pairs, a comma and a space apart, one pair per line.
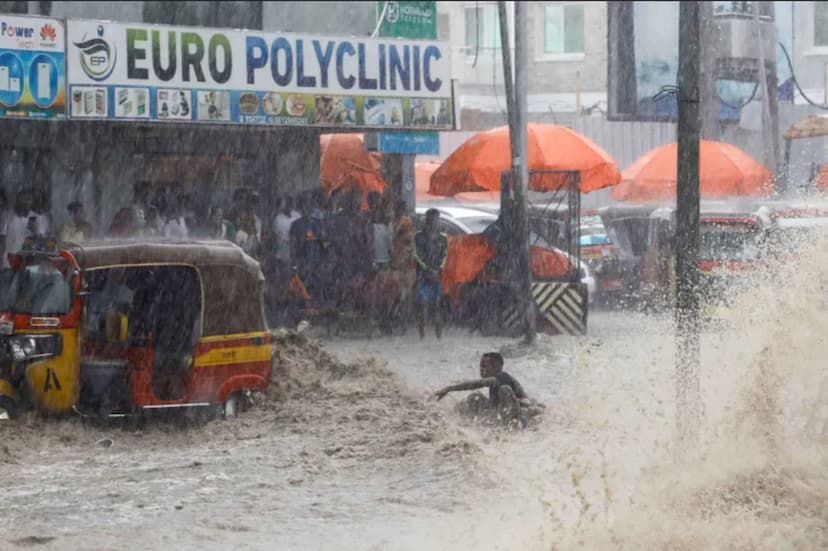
190, 74
32, 67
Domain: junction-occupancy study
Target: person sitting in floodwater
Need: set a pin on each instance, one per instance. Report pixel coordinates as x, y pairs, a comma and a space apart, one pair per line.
506, 396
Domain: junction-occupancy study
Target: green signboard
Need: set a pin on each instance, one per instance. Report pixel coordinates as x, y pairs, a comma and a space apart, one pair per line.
408, 19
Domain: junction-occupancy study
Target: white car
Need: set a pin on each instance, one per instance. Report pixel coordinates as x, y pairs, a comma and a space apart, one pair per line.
464, 220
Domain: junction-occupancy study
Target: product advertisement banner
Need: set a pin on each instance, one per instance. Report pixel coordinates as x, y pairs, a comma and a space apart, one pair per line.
191, 74
32, 67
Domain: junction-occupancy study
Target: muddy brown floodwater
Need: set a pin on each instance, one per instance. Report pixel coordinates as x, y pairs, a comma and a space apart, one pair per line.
349, 451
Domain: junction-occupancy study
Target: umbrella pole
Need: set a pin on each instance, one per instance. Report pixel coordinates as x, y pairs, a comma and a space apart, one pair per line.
688, 410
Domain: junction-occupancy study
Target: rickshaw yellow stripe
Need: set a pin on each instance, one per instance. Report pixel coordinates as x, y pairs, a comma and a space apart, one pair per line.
233, 336
234, 355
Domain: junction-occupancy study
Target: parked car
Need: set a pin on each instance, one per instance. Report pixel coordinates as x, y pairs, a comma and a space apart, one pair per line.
601, 254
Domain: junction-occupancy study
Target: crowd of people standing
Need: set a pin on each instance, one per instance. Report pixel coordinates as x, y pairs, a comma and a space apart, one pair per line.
345, 251
346, 257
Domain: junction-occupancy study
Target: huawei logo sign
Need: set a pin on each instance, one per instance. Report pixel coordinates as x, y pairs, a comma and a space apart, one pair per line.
48, 33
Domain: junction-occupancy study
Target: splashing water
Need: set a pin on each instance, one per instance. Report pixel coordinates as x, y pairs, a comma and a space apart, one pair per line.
357, 449
760, 480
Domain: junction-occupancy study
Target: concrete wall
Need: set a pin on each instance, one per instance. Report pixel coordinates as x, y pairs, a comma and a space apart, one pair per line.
555, 74
553, 80
480, 74
341, 18
131, 12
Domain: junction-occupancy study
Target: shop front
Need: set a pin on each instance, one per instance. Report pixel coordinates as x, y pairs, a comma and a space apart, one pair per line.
89, 108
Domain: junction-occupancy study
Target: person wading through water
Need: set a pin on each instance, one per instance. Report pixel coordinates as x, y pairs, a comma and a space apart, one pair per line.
430, 254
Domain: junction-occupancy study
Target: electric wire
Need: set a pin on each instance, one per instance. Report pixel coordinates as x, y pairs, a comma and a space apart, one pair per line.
796, 82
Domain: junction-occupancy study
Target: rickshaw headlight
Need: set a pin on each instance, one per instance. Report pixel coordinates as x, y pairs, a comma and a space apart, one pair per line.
26, 347
17, 351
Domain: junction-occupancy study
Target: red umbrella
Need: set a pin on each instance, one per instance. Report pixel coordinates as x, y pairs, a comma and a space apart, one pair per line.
478, 163
725, 170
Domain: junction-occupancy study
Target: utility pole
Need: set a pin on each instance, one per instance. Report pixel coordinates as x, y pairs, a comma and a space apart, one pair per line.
688, 399
520, 166
709, 49
508, 81
769, 112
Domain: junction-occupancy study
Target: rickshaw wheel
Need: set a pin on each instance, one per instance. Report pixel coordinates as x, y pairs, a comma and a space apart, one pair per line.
8, 408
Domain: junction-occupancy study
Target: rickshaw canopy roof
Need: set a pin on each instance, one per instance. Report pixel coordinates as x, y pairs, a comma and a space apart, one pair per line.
813, 126
232, 281
92, 255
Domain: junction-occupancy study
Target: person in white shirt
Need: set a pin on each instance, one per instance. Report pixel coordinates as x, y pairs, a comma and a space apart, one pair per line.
254, 201
175, 226
22, 223
44, 220
246, 236
281, 227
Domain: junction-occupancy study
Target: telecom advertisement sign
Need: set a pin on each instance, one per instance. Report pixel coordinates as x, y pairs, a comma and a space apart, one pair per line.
191, 74
32, 68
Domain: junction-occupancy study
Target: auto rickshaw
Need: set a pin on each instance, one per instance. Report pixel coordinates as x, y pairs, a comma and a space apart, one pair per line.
731, 237
629, 225
795, 225
120, 328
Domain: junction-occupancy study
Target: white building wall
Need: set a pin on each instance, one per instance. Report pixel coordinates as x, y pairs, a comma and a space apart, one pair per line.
810, 59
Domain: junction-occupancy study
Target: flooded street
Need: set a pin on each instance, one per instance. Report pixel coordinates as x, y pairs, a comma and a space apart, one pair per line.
362, 457
203, 203
366, 461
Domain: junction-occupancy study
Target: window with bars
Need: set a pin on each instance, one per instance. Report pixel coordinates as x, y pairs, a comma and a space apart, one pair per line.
563, 29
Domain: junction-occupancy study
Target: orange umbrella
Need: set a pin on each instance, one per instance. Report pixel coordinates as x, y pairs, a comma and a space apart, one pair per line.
344, 162
725, 171
422, 179
477, 164
549, 263
469, 254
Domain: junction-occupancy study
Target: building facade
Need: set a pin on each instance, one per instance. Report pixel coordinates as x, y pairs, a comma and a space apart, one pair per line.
97, 162
567, 59
810, 34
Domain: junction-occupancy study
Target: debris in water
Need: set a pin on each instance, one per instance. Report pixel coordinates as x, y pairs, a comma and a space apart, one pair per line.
31, 541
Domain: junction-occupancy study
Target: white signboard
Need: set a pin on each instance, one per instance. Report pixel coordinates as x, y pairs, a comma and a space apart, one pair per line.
125, 71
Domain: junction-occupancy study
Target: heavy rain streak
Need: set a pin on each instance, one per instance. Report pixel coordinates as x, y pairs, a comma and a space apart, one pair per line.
413, 275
